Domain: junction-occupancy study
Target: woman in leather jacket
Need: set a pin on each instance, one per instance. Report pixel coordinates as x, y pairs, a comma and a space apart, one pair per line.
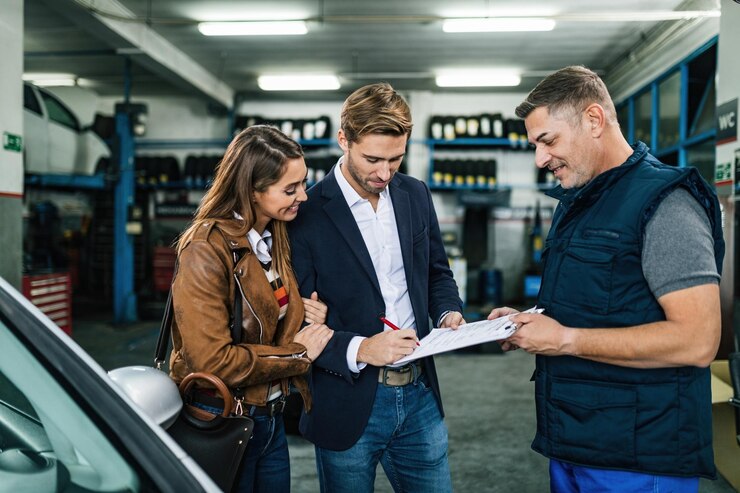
236, 249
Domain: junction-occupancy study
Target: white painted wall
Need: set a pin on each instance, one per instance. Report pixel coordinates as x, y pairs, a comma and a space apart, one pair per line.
176, 118
11, 121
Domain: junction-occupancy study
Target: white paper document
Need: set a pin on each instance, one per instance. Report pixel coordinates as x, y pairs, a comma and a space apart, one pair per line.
443, 340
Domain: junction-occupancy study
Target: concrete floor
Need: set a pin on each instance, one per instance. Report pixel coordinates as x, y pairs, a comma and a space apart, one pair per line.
488, 400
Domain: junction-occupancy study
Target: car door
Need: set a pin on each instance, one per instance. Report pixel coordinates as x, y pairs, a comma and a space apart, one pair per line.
65, 427
64, 135
35, 132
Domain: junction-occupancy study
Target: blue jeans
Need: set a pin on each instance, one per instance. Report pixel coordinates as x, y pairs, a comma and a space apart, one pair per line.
406, 434
567, 478
265, 466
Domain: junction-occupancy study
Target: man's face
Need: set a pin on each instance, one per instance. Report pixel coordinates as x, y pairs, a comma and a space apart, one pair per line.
563, 146
372, 161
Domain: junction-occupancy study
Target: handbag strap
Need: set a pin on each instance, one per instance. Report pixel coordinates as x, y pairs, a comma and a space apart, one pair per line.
165, 329
164, 333
236, 323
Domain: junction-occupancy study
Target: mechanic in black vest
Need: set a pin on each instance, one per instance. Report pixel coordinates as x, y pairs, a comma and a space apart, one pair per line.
630, 289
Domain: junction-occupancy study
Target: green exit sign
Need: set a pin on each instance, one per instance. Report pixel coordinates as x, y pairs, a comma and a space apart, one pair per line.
12, 142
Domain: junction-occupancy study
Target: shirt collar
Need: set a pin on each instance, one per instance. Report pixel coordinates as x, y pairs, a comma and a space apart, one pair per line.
350, 194
261, 244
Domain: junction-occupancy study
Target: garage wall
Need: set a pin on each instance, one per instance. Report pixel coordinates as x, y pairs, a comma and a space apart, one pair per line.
11, 124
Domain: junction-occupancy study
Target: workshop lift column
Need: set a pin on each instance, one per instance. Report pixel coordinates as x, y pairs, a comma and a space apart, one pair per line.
124, 297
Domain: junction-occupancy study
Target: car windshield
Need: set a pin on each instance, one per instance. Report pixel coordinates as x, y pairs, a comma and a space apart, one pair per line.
58, 112
47, 442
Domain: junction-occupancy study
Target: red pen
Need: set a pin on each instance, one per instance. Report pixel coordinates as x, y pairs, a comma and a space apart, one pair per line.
391, 325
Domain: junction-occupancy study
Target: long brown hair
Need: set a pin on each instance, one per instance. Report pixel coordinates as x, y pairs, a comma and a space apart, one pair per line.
254, 160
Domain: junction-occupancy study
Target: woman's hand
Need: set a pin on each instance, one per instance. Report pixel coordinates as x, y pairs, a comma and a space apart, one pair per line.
315, 309
314, 337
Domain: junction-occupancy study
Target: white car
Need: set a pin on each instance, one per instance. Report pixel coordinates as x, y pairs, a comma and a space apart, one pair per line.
65, 426
55, 142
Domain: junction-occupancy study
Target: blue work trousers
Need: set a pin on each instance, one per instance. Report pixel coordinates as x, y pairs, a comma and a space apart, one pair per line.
569, 478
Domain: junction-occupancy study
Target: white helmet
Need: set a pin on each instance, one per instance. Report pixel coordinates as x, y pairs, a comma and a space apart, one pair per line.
152, 390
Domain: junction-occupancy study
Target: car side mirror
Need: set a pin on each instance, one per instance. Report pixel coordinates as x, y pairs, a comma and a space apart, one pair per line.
152, 390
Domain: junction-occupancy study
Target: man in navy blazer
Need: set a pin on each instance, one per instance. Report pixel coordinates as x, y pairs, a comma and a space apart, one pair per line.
367, 241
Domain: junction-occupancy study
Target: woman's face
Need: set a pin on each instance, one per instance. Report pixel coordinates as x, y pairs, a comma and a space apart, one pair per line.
281, 199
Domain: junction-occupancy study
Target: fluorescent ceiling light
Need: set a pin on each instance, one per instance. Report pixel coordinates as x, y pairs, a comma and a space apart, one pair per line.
638, 16
478, 78
50, 79
253, 28
497, 24
298, 82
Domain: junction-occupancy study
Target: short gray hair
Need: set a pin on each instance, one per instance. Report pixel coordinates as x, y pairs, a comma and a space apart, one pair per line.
569, 91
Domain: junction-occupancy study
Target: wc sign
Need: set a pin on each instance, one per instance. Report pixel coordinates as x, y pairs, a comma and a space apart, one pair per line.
727, 122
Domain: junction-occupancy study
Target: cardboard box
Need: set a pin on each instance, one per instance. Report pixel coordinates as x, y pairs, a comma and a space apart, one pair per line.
726, 448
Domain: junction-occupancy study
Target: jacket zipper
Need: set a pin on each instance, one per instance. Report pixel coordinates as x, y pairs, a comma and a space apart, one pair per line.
241, 291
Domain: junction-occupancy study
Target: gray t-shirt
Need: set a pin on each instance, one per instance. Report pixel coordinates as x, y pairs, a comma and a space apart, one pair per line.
678, 248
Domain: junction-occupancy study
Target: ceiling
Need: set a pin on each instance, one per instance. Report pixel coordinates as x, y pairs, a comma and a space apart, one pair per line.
399, 41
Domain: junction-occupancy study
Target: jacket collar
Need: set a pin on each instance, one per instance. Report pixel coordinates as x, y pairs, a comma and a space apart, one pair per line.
228, 228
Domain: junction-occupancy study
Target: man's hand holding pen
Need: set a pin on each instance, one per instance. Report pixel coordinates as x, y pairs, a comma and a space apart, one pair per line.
388, 346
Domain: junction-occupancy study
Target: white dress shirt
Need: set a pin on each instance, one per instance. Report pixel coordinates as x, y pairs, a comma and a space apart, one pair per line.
261, 244
380, 234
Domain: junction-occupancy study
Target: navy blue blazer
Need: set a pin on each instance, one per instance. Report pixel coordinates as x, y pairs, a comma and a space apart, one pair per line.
329, 256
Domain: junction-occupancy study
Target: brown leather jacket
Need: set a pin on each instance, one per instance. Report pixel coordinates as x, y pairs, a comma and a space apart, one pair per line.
203, 299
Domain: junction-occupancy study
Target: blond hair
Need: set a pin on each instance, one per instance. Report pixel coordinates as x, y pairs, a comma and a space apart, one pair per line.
375, 109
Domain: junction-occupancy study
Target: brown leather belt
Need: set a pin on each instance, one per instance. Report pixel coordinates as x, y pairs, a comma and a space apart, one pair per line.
398, 377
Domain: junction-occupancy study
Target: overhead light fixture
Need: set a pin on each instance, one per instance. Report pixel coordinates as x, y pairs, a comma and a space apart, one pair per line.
253, 28
478, 78
298, 82
44, 79
497, 24
638, 16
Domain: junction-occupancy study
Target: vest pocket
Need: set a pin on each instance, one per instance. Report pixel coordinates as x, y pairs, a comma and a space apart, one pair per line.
585, 276
593, 423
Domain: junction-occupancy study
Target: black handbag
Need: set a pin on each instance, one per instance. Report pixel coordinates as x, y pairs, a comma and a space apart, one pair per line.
216, 442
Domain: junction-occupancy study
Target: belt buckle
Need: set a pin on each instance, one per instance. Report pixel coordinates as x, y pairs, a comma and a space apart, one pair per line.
400, 371
277, 406
386, 370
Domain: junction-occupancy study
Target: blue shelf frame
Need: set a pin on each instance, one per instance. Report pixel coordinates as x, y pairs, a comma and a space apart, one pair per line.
685, 142
76, 182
